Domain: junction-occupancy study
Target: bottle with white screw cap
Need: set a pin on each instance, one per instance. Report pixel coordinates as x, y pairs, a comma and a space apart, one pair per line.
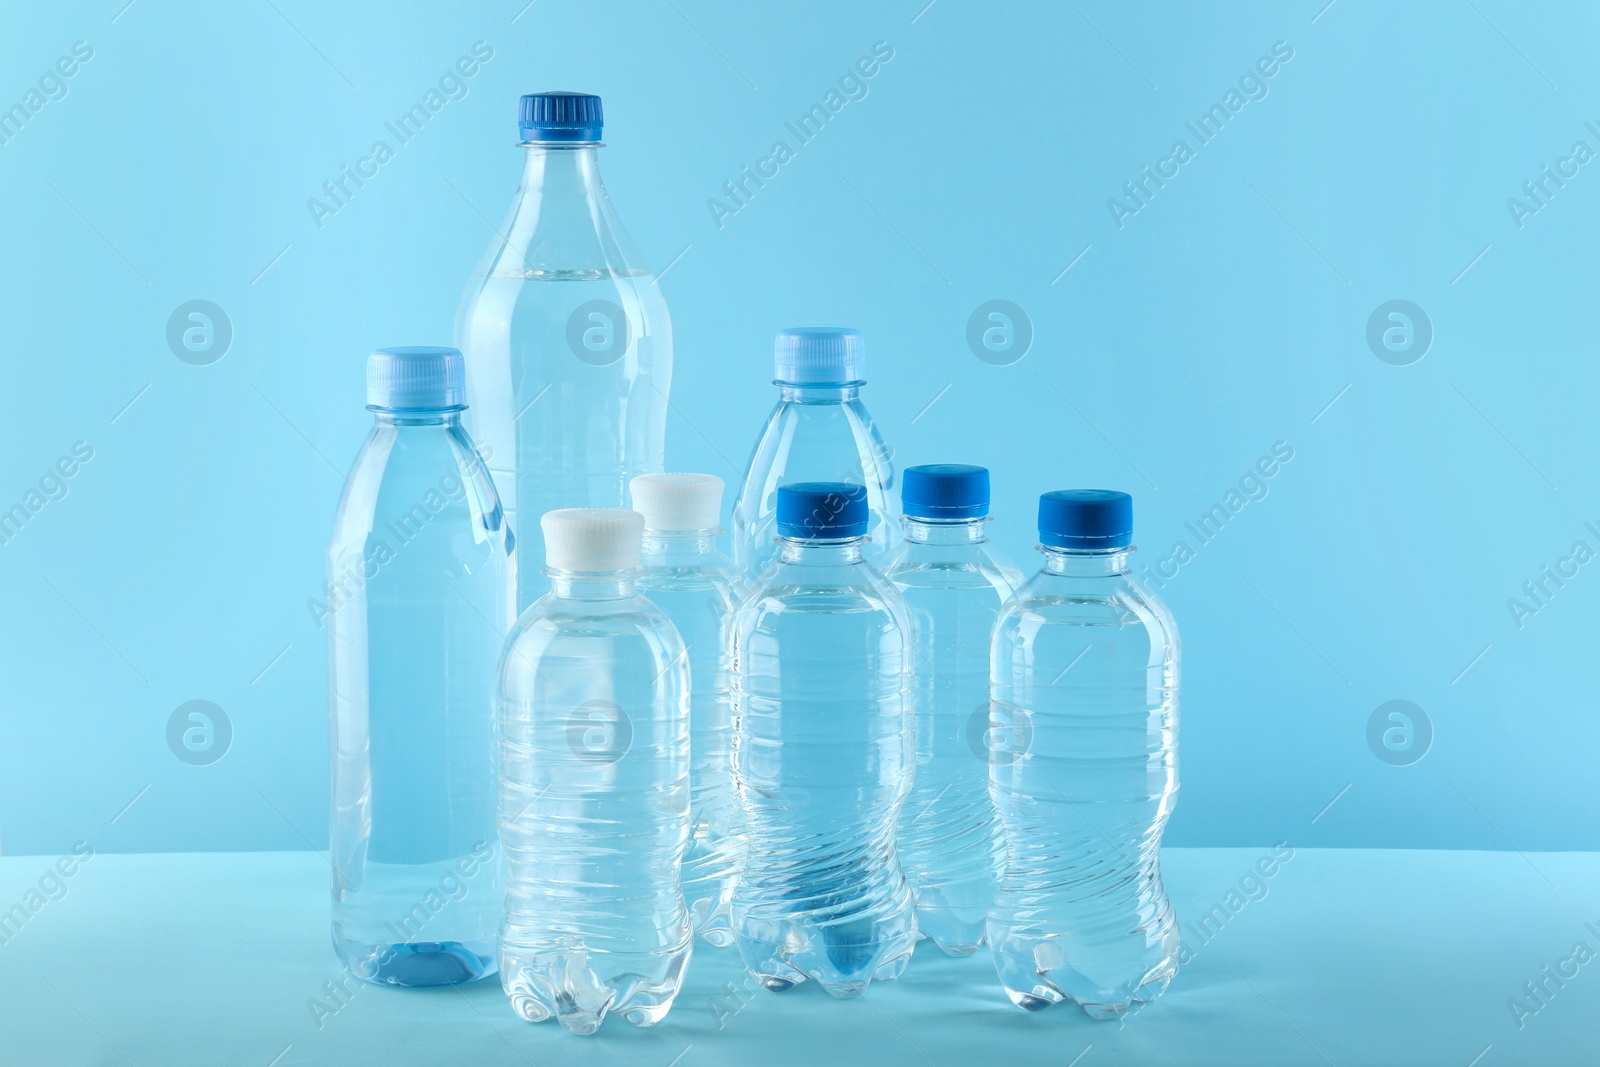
594, 794
688, 577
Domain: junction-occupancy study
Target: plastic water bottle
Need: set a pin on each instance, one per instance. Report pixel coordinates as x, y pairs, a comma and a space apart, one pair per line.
568, 343
820, 431
1084, 768
822, 754
954, 583
696, 585
594, 786
418, 597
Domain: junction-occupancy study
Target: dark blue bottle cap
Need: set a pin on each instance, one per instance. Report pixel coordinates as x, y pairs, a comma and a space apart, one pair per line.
559, 116
1086, 519
822, 511
945, 491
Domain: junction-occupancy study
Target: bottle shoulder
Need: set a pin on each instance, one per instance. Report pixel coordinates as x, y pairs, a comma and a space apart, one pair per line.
851, 589
1049, 600
552, 620
432, 476
970, 565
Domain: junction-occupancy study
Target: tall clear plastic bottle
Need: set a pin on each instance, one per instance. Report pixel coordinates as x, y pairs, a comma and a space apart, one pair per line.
822, 754
1084, 768
954, 583
685, 575
420, 572
594, 786
567, 337
819, 431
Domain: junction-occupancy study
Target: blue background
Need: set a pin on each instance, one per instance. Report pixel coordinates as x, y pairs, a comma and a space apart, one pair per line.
1230, 313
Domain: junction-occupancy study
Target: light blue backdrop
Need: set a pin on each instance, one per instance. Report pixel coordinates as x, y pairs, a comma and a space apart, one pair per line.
1173, 347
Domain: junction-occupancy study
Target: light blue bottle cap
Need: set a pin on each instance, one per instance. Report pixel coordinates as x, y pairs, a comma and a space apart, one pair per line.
820, 355
559, 116
416, 379
1086, 519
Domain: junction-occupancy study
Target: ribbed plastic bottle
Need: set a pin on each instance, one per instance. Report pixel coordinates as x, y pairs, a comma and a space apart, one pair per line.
822, 754
685, 575
954, 582
567, 337
819, 431
1084, 768
418, 595
594, 786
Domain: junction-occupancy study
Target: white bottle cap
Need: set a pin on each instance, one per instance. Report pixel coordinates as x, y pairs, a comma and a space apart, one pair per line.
678, 502
592, 539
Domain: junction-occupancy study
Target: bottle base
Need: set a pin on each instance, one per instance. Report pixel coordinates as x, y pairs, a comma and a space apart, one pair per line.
418, 964
565, 987
842, 958
1057, 988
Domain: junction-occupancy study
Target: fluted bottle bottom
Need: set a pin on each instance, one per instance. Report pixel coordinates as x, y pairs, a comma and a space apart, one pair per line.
953, 916
843, 957
1104, 978
710, 902
579, 989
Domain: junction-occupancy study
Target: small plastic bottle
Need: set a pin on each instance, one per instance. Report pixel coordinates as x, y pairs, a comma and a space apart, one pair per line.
420, 577
822, 754
594, 794
819, 431
954, 583
686, 576
1084, 768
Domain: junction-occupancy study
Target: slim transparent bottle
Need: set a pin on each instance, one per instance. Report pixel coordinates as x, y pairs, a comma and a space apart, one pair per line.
822, 754
685, 575
419, 595
954, 583
594, 787
567, 337
819, 431
1084, 768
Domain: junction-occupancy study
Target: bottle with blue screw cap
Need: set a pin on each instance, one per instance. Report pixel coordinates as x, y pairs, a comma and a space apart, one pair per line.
819, 431
567, 338
955, 582
420, 573
822, 753
1083, 768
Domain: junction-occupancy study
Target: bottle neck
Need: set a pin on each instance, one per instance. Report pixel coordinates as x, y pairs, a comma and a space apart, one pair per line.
920, 531
1080, 563
680, 543
591, 585
821, 553
836, 393
430, 417
552, 168
563, 228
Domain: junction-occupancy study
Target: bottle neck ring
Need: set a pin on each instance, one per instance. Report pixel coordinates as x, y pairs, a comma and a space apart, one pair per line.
591, 585
1080, 563
818, 393
819, 553
450, 416
924, 531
